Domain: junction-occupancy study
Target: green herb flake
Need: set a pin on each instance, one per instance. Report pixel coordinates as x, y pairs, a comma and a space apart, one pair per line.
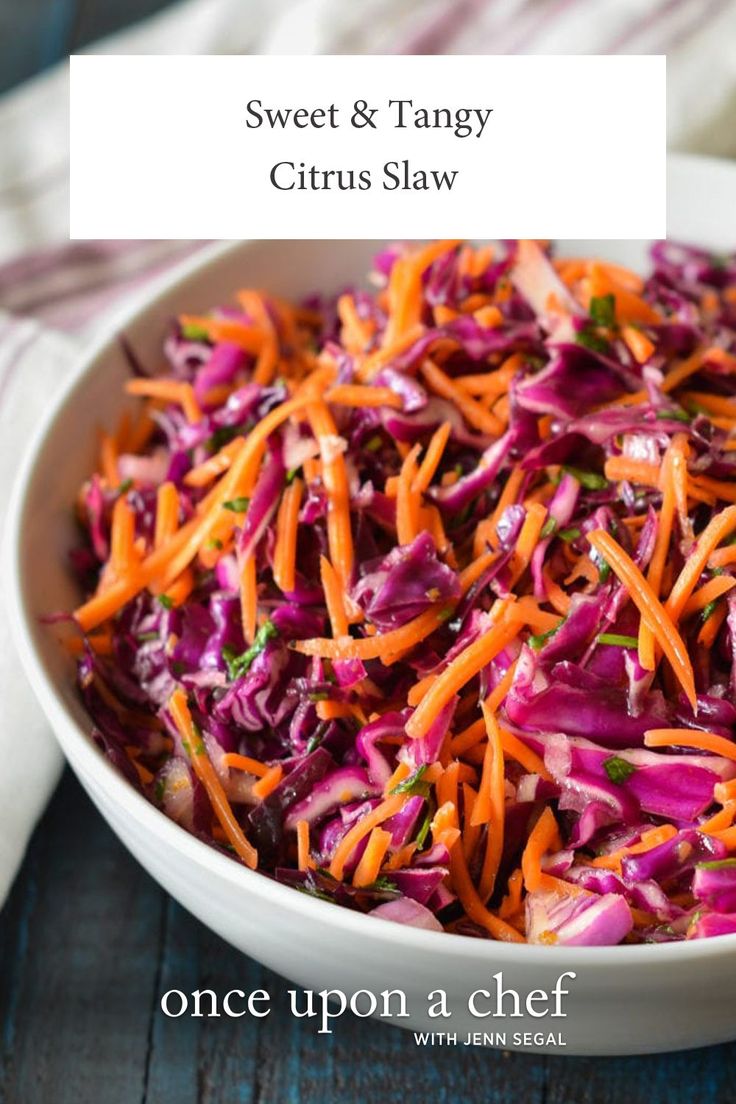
373, 445
602, 310
237, 505
239, 665
413, 784
318, 695
591, 340
222, 436
159, 790
165, 601
549, 527
618, 770
382, 884
423, 832
673, 416
314, 742
445, 614
125, 486
709, 610
592, 481
190, 331
214, 545
540, 639
618, 640
291, 475
147, 637
717, 864
569, 535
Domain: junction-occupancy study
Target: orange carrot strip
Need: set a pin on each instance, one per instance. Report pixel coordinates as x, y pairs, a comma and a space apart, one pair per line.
431, 459
369, 867
287, 527
475, 569
496, 697
249, 598
245, 763
649, 606
405, 288
361, 829
517, 749
655, 571
254, 305
475, 414
709, 631
407, 500
509, 495
304, 861
167, 514
720, 527
169, 390
178, 591
334, 474
649, 840
618, 468
209, 470
688, 737
471, 832
708, 592
461, 880
496, 805
371, 647
725, 791
355, 332
629, 307
332, 587
512, 901
269, 782
543, 837
354, 394
462, 669
639, 344
197, 753
108, 462
122, 537
528, 539
232, 330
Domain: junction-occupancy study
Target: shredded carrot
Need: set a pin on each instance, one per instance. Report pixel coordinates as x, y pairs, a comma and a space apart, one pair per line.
655, 571
245, 763
287, 526
254, 305
711, 627
170, 391
361, 829
339, 532
353, 394
167, 514
720, 527
517, 749
369, 867
492, 792
122, 537
475, 414
407, 500
198, 757
462, 882
639, 344
688, 737
649, 606
431, 459
534, 521
209, 470
708, 592
109, 460
509, 495
459, 672
333, 598
650, 839
543, 837
304, 860
382, 644
269, 782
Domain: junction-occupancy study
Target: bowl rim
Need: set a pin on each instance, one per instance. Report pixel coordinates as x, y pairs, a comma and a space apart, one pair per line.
89, 760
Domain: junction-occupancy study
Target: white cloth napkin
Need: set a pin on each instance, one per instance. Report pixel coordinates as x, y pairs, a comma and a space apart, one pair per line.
52, 295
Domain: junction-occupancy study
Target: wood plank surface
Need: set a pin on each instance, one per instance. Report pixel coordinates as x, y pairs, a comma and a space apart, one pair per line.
88, 943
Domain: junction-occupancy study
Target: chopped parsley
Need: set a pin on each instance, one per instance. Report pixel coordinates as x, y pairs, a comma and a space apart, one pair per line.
592, 481
373, 445
423, 832
589, 339
617, 769
569, 535
239, 665
413, 784
709, 610
549, 527
165, 601
237, 505
602, 310
618, 640
190, 331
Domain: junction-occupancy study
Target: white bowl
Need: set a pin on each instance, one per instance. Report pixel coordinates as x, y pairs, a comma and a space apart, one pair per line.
629, 999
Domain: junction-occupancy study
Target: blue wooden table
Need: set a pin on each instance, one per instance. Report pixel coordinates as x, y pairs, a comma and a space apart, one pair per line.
88, 943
